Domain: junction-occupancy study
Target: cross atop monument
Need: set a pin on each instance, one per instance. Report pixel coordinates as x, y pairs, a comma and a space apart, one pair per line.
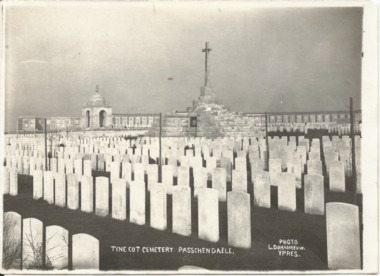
206, 50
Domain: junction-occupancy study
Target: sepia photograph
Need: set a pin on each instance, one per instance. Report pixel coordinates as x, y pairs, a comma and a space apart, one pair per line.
177, 137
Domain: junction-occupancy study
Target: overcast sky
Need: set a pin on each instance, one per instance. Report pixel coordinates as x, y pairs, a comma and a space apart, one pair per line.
147, 58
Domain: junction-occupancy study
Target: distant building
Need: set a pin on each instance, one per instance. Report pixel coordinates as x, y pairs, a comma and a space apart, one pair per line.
96, 115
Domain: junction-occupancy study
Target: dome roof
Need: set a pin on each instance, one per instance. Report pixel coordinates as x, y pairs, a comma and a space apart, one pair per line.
97, 100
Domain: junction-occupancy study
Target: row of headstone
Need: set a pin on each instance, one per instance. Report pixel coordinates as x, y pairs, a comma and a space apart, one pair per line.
208, 201
24, 242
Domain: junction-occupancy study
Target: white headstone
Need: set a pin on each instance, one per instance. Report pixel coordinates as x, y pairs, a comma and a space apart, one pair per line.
274, 170
241, 163
138, 172
94, 162
13, 181
119, 199
152, 172
239, 181
57, 250
101, 196
226, 163
330, 157
32, 164
167, 177
183, 176
314, 155
78, 167
101, 163
182, 210
53, 165
25, 165
72, 192
126, 172
32, 234
69, 164
61, 165
343, 236
87, 168
208, 214
219, 182
314, 194
85, 252
60, 189
336, 177
200, 179
314, 167
114, 171
239, 219
12, 247
87, 194
158, 215
287, 192
294, 167
261, 189
108, 161
137, 202
37, 184
257, 165
7, 180
210, 165
49, 187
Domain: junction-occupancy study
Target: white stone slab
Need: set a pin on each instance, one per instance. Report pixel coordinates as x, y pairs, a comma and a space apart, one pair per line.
152, 172
219, 182
287, 192
337, 181
12, 241
314, 167
60, 189
314, 194
114, 171
138, 172
208, 214
87, 194
101, 196
343, 236
200, 179
261, 189
72, 192
49, 187
239, 181
137, 202
37, 184
183, 176
78, 167
182, 210
85, 252
32, 243
7, 180
158, 213
239, 219
57, 250
87, 168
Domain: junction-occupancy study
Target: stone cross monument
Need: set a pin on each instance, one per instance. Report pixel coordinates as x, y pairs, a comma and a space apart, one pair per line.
207, 91
206, 50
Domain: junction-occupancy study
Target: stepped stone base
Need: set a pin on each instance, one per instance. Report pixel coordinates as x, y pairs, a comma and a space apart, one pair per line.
213, 120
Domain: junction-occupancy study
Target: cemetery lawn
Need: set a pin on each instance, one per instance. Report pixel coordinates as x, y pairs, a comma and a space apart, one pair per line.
269, 226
